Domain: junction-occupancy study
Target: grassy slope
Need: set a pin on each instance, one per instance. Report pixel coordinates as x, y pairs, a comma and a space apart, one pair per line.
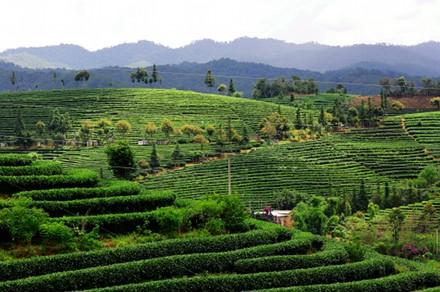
334, 165
138, 106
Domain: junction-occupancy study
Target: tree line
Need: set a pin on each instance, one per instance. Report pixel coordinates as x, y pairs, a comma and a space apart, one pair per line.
282, 87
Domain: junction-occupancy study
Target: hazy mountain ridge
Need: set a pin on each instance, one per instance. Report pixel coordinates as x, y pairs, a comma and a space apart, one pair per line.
421, 59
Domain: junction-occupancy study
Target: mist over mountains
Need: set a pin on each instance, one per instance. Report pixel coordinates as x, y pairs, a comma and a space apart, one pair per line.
422, 59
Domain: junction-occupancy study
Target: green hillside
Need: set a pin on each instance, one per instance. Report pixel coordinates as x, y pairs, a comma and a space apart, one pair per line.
138, 106
266, 256
330, 166
313, 167
425, 128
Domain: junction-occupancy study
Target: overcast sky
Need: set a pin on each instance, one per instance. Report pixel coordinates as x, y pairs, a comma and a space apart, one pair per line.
95, 24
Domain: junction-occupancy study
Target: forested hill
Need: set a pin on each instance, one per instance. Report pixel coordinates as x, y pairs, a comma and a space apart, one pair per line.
190, 76
414, 60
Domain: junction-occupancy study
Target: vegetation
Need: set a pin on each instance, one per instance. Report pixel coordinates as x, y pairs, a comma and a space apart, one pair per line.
350, 176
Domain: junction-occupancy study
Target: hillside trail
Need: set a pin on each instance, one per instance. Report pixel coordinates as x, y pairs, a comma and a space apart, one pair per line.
407, 132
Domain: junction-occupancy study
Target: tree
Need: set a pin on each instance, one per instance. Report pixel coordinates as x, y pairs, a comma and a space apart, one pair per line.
322, 119
150, 129
397, 105
200, 139
430, 174
426, 218
427, 86
360, 200
59, 124
238, 94
311, 216
436, 102
155, 74
210, 131
222, 88
229, 130
298, 120
396, 218
275, 126
22, 223
221, 137
40, 127
104, 128
190, 130
403, 84
154, 158
287, 199
268, 129
167, 128
140, 75
123, 127
386, 85
372, 210
85, 132
19, 124
177, 157
209, 79
82, 76
245, 135
120, 158
386, 197
13, 78
231, 87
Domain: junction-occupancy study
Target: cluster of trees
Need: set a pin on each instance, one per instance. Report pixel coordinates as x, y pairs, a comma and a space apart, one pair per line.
283, 87
20, 224
341, 114
141, 75
401, 86
329, 215
57, 129
202, 135
121, 157
302, 126
222, 88
339, 88
277, 126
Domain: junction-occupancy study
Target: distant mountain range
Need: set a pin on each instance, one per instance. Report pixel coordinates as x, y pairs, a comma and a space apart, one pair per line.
422, 59
190, 76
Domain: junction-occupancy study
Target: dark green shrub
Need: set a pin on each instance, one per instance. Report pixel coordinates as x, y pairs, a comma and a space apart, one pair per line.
332, 254
36, 168
21, 223
121, 159
50, 264
122, 204
57, 233
152, 269
355, 251
79, 177
225, 283
116, 188
15, 160
403, 282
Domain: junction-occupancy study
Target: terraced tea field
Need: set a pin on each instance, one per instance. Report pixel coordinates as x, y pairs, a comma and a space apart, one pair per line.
138, 106
313, 167
267, 257
425, 128
388, 150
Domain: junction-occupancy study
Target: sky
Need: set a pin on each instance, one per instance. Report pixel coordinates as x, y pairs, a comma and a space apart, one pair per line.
96, 24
